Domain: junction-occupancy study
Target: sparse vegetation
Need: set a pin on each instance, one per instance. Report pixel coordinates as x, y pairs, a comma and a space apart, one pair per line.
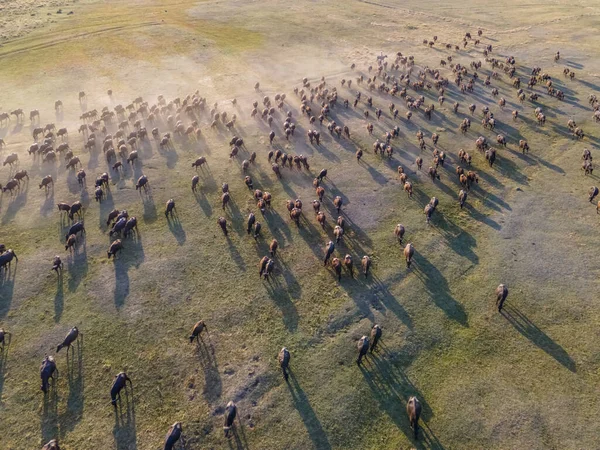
484, 379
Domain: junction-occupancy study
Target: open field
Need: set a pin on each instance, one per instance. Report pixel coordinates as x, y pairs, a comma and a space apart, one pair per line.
527, 378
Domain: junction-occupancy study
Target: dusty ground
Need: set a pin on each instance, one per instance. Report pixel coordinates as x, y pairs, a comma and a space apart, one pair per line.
528, 378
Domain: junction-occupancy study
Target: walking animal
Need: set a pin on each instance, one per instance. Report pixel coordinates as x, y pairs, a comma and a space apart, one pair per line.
69, 339
413, 410
284, 362
119, 383
501, 294
197, 330
230, 414
363, 348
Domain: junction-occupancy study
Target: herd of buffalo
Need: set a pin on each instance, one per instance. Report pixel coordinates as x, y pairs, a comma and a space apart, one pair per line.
118, 132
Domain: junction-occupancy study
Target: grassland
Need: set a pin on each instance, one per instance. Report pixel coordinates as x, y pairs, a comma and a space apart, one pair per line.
528, 378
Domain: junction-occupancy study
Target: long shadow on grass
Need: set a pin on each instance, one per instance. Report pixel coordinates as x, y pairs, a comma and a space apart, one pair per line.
14, 205
203, 202
124, 430
7, 289
59, 297
3, 361
235, 254
239, 441
213, 386
283, 295
437, 288
131, 255
307, 414
106, 206
149, 208
49, 418
392, 388
77, 266
176, 229
74, 411
528, 329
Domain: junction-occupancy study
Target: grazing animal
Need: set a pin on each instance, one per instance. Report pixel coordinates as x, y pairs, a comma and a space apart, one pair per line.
295, 214
77, 227
69, 339
130, 226
51, 445
363, 348
501, 294
173, 435
349, 265
81, 177
366, 265
98, 194
257, 228
320, 193
419, 162
223, 224
490, 156
338, 202
7, 257
338, 232
316, 206
115, 247
11, 185
112, 216
73, 162
275, 168
195, 181
197, 330
57, 264
592, 193
23, 174
3, 335
462, 198
337, 266
269, 266
262, 265
119, 382
409, 251
523, 145
408, 188
399, 232
71, 240
433, 173
321, 219
376, 333
170, 208
200, 162
273, 247
46, 182
63, 207
47, 370
132, 157
250, 222
119, 226
142, 182
413, 410
230, 414
284, 362
328, 252
429, 209
75, 208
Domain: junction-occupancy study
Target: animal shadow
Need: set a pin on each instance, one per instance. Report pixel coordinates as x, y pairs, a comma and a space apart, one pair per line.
529, 330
